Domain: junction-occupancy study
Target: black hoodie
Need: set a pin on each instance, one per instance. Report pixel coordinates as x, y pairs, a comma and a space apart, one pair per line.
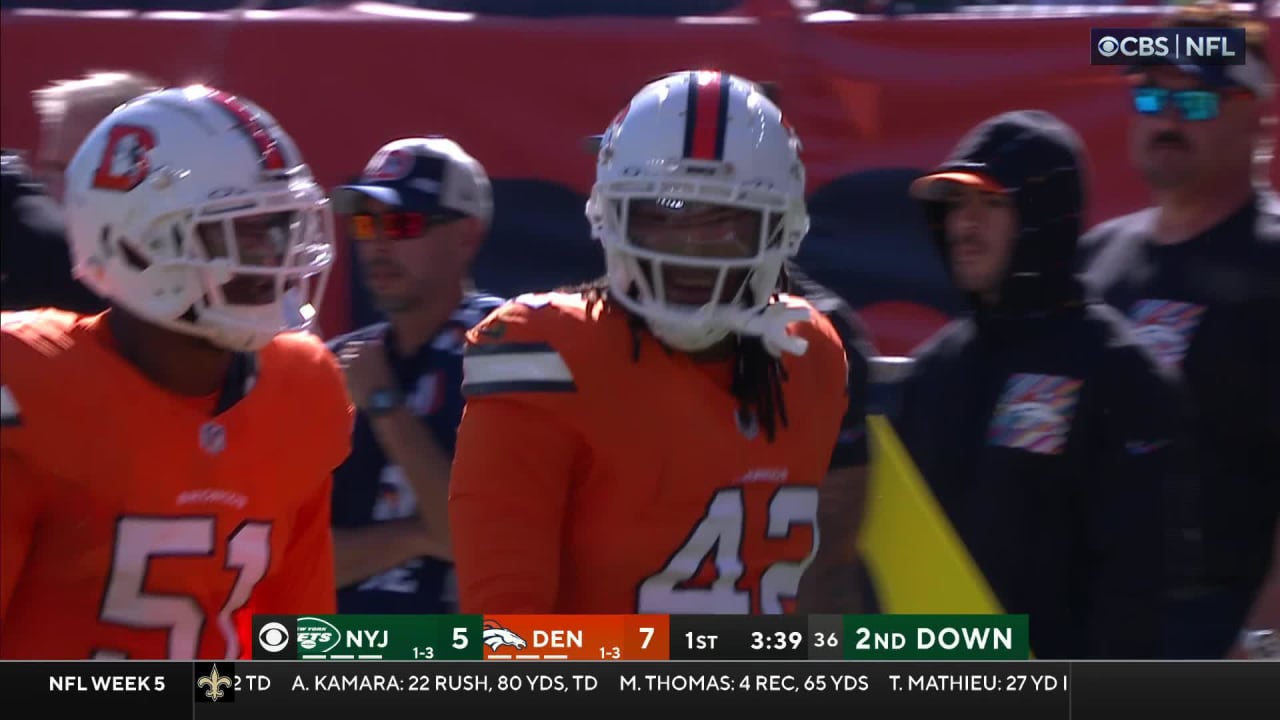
1043, 427
35, 264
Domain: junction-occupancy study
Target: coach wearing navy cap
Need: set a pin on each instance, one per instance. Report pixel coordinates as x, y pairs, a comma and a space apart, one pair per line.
417, 217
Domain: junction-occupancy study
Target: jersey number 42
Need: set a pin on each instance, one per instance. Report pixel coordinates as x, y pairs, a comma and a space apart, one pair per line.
719, 536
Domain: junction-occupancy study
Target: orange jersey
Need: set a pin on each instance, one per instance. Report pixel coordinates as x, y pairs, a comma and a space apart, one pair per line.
133, 522
589, 480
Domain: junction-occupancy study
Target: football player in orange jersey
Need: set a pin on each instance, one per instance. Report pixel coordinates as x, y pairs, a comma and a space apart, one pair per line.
165, 464
656, 442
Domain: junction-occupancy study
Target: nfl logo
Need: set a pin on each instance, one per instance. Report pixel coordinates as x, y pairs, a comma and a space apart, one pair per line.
748, 425
213, 438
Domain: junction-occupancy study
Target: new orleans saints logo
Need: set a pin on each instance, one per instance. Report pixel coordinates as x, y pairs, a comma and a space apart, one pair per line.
215, 684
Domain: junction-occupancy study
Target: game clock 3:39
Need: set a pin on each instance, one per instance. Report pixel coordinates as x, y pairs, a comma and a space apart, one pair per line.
781, 640
778, 640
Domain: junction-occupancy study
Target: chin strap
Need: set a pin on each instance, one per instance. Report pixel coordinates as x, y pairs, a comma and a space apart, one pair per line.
770, 325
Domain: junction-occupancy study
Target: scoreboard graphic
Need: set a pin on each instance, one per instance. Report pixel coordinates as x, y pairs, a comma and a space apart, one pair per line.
641, 637
902, 667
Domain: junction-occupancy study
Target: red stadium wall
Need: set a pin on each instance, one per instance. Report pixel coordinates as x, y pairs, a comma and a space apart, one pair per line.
865, 95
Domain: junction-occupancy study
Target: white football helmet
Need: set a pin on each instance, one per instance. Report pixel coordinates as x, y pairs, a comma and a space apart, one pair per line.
193, 209
703, 138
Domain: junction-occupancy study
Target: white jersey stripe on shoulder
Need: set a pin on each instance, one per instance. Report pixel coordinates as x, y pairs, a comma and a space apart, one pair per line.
514, 367
10, 413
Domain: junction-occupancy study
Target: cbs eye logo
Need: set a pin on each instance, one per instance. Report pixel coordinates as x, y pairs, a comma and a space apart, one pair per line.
273, 637
1108, 46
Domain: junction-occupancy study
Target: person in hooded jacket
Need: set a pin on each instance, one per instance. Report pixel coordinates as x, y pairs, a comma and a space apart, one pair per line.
1043, 427
35, 264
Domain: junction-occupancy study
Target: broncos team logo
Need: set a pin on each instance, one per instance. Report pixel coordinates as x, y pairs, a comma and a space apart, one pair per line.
125, 161
495, 636
1034, 413
1166, 327
1024, 415
388, 165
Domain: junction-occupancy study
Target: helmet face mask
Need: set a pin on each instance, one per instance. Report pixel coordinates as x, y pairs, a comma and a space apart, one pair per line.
201, 232
691, 254
695, 245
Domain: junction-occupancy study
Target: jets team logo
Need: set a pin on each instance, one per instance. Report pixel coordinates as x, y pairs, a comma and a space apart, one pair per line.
496, 636
316, 635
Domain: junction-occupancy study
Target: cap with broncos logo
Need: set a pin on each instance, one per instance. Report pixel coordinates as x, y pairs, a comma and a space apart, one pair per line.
430, 175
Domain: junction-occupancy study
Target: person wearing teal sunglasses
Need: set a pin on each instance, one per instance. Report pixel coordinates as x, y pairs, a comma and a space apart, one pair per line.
1198, 274
1192, 105
1198, 126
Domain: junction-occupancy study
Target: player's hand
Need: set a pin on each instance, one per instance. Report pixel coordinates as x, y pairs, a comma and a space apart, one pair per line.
365, 365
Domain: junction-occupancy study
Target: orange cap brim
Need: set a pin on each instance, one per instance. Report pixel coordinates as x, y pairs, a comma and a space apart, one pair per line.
928, 187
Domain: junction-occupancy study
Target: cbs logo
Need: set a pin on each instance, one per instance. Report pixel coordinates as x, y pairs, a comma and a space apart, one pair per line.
1110, 46
273, 637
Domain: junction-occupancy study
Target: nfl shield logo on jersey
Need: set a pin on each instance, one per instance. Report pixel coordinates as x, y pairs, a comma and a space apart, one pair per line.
213, 438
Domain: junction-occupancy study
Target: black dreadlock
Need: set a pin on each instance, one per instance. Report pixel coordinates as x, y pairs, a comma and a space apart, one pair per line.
757, 375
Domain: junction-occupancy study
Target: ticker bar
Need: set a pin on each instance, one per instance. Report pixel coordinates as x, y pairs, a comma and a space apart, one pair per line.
991, 690
332, 689
1175, 690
